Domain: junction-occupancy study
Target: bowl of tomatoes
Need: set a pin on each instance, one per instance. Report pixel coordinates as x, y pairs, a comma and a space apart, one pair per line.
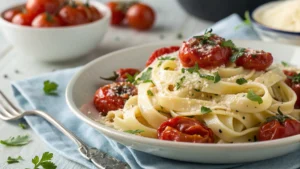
55, 30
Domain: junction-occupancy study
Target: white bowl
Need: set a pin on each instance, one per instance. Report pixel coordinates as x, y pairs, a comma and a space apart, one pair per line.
57, 44
85, 82
269, 34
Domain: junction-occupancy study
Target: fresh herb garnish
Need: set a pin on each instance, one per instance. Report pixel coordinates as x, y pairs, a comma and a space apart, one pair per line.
44, 162
159, 64
16, 141
197, 90
149, 92
238, 53
182, 70
284, 63
178, 84
166, 68
193, 69
130, 78
280, 117
111, 78
254, 97
295, 78
205, 110
217, 77
204, 39
50, 87
241, 81
166, 58
23, 126
208, 77
246, 22
228, 43
146, 76
11, 160
138, 131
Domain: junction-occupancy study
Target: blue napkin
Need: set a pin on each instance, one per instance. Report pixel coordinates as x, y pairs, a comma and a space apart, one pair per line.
30, 95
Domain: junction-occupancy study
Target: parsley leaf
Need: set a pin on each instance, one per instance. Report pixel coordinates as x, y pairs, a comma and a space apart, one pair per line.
228, 43
130, 78
246, 22
182, 70
45, 161
166, 58
238, 53
197, 90
205, 110
111, 78
146, 76
50, 87
241, 81
11, 160
178, 84
193, 69
166, 68
149, 92
204, 39
23, 126
217, 77
138, 131
295, 78
253, 97
18, 141
208, 77
284, 64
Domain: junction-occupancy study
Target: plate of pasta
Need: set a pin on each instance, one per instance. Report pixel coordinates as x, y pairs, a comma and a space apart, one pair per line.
206, 99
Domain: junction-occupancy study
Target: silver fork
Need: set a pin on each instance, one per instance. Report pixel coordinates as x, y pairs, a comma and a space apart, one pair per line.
8, 112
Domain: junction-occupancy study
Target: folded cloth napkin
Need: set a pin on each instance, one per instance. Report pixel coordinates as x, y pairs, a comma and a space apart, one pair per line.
30, 95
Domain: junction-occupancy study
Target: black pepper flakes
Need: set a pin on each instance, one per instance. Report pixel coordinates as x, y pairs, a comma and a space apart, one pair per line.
244, 117
249, 139
220, 131
278, 87
236, 111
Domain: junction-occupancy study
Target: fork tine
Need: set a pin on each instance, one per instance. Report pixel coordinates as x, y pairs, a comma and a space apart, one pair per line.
4, 112
10, 105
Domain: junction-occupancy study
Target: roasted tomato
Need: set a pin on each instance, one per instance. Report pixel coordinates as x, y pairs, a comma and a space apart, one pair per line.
293, 80
86, 10
46, 20
140, 16
96, 15
118, 11
205, 50
36, 7
23, 19
255, 59
160, 52
185, 129
113, 96
9, 14
123, 74
71, 15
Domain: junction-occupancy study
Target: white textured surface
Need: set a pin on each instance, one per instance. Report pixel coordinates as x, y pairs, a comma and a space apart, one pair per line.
171, 20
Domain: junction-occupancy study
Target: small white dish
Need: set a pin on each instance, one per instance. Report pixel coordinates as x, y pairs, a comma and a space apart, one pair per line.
269, 34
85, 82
59, 43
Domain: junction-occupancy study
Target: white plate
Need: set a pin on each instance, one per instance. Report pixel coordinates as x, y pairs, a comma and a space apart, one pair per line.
84, 84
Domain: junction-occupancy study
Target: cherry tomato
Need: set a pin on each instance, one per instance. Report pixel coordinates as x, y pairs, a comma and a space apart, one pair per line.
117, 12
86, 10
208, 53
9, 14
275, 130
71, 15
113, 96
140, 16
46, 20
23, 19
255, 59
288, 80
123, 74
294, 86
36, 7
185, 129
96, 15
160, 52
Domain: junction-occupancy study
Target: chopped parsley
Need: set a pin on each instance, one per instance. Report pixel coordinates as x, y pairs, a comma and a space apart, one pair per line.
166, 68
23, 126
205, 110
138, 131
295, 78
228, 43
241, 81
246, 22
197, 90
159, 63
178, 84
44, 162
284, 64
111, 78
11, 160
238, 53
254, 97
166, 58
205, 38
50, 87
149, 92
16, 141
146, 76
130, 78
193, 69
217, 77
182, 70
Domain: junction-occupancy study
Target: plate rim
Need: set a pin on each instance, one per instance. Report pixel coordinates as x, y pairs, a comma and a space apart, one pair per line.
157, 142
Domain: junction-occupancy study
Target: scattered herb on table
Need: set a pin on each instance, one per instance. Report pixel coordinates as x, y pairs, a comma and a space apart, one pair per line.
246, 22
44, 162
50, 87
16, 141
11, 160
23, 125
284, 64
